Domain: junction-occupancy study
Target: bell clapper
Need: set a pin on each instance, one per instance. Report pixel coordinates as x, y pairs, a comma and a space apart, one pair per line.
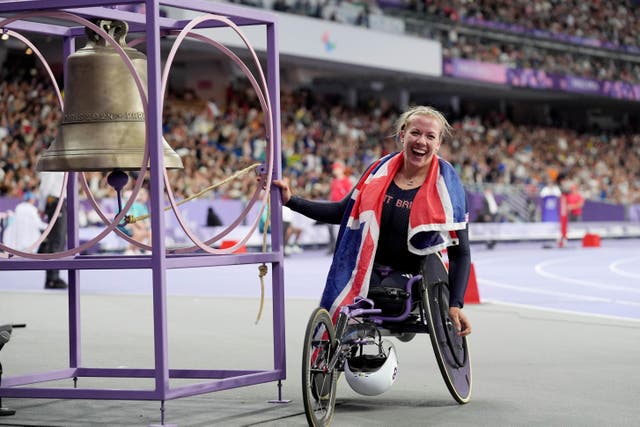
118, 179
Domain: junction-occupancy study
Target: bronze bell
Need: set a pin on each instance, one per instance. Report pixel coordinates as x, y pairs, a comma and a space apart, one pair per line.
103, 125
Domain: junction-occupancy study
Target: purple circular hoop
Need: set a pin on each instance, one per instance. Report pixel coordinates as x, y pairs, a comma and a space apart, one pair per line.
268, 125
267, 110
141, 89
63, 193
265, 104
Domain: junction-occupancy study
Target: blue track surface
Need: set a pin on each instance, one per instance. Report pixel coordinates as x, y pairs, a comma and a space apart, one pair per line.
603, 281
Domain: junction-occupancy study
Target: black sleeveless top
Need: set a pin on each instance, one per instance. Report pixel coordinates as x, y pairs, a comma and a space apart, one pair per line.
394, 229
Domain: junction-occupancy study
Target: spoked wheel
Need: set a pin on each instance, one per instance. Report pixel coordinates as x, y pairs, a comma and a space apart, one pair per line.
318, 381
451, 351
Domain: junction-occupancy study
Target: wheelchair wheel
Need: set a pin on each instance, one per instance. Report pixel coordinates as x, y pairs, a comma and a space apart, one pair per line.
451, 351
318, 381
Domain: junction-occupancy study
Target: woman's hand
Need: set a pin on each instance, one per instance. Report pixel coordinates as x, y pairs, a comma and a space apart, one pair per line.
460, 321
285, 191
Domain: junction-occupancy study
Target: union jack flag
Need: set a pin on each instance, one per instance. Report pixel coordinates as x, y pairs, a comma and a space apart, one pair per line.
438, 210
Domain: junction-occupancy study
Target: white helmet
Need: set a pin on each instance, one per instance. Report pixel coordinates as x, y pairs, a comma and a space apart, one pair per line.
373, 374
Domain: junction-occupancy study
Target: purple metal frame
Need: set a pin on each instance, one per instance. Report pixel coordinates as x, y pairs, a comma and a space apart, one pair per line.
363, 306
151, 23
407, 306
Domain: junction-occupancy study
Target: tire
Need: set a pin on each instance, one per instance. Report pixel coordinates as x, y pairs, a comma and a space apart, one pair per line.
451, 351
318, 382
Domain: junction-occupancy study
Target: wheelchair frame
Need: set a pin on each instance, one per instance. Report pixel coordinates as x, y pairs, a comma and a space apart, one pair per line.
327, 347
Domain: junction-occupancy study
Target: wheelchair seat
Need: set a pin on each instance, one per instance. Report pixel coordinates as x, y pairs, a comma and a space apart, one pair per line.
389, 292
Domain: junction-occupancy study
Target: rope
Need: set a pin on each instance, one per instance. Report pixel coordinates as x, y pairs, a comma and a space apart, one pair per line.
262, 268
130, 219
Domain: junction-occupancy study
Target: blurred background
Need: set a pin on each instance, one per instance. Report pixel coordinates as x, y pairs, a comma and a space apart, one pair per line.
544, 98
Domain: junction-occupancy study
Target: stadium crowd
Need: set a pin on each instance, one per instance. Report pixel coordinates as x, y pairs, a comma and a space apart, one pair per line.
487, 148
612, 21
554, 61
217, 139
606, 28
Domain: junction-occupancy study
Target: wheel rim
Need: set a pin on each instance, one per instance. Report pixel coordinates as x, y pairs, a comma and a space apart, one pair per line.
451, 351
457, 376
457, 346
318, 381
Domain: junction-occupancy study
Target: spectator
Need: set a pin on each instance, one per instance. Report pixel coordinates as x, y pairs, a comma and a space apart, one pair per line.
340, 186
550, 195
25, 225
489, 212
48, 194
575, 203
550, 189
140, 229
213, 220
289, 230
291, 233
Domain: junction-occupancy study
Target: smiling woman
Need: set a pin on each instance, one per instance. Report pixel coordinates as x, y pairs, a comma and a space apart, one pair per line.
406, 205
420, 130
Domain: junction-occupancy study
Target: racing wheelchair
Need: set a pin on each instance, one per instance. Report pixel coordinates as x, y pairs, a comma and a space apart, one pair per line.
355, 346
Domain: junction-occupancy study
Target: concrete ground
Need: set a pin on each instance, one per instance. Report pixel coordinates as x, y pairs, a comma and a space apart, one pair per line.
531, 367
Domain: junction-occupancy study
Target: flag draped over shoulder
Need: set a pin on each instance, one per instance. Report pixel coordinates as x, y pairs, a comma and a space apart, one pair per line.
438, 210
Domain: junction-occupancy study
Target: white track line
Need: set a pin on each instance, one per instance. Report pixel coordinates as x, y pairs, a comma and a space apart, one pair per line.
614, 266
571, 296
555, 310
539, 269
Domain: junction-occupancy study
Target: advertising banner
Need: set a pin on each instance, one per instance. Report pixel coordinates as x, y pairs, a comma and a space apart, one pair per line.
538, 79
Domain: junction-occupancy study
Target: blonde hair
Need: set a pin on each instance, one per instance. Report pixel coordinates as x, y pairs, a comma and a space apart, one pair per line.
423, 110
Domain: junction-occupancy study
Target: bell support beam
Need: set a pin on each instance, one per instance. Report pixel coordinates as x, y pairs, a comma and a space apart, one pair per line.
237, 14
36, 5
158, 257
279, 353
